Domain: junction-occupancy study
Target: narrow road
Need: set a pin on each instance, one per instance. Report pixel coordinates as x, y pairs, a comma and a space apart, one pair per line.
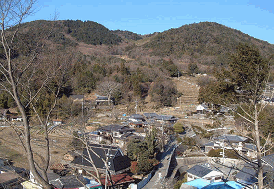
156, 181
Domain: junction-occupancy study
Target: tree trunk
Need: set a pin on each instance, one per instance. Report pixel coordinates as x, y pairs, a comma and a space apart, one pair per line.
259, 152
109, 98
38, 177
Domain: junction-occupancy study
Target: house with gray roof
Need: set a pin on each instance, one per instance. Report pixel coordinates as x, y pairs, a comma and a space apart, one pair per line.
136, 117
116, 160
249, 150
166, 119
115, 130
137, 120
229, 141
232, 138
201, 171
70, 181
150, 115
248, 174
103, 100
269, 160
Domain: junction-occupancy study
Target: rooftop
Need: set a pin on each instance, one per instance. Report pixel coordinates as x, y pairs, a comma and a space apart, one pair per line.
232, 138
199, 170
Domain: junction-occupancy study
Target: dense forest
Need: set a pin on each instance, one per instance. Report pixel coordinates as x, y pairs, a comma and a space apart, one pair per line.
142, 64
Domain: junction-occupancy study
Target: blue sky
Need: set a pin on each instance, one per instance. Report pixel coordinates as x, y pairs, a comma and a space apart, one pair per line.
253, 17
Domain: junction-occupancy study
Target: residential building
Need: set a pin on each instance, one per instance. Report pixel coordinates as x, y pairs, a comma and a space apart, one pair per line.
230, 142
204, 172
116, 161
206, 184
248, 174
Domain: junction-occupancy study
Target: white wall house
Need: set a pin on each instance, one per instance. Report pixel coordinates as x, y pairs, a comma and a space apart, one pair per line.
200, 171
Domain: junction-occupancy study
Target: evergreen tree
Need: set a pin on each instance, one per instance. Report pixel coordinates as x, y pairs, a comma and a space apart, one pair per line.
243, 84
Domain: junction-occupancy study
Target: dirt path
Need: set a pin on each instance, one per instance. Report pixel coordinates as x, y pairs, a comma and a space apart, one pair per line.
190, 91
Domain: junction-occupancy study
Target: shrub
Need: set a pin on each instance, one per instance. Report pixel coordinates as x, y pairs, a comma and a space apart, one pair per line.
133, 167
189, 141
178, 184
228, 153
214, 153
179, 127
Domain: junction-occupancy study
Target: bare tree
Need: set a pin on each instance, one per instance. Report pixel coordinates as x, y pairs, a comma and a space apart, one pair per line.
28, 76
243, 84
109, 88
89, 157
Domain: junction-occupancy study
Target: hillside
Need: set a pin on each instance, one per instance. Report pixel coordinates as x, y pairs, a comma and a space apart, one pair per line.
206, 43
144, 65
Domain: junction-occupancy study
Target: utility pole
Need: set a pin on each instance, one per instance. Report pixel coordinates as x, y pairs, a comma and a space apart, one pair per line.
83, 107
223, 151
106, 164
136, 105
163, 140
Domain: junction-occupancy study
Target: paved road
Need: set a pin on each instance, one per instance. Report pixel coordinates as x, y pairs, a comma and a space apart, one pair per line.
157, 180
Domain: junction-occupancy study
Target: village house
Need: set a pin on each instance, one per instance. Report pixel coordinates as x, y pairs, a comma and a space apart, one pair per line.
167, 119
120, 181
206, 184
11, 176
228, 142
9, 179
77, 98
117, 162
125, 138
137, 121
16, 118
57, 122
70, 181
136, 118
248, 174
63, 182
201, 109
103, 100
150, 115
114, 131
6, 115
204, 172
95, 137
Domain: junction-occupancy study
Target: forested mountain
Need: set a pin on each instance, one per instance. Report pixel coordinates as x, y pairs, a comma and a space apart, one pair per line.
141, 64
205, 42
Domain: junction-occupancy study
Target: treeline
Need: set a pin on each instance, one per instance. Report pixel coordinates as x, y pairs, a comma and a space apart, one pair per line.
137, 81
84, 74
128, 35
91, 32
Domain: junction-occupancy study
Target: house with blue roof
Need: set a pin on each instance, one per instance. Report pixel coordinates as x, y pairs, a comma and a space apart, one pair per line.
206, 184
195, 184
